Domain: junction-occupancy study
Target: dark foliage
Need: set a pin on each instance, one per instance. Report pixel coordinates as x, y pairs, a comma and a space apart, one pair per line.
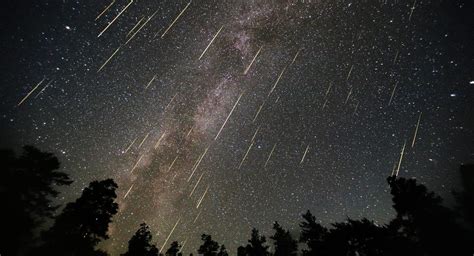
209, 246
83, 223
28, 185
222, 251
313, 234
174, 249
284, 243
422, 225
256, 245
140, 243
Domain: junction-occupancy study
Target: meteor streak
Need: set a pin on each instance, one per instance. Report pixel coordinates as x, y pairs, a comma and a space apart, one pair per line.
172, 163
131, 144
324, 105
270, 155
151, 81
197, 164
140, 28
349, 74
172, 23
197, 216
416, 130
202, 197
106, 8
44, 88
327, 91
167, 238
245, 156
277, 99
356, 107
182, 246
190, 130
136, 164
116, 17
146, 136
304, 155
205, 50
128, 191
255, 57
222, 127
401, 158
134, 27
197, 183
396, 56
171, 101
107, 61
412, 9
158, 142
296, 56
348, 96
28, 95
255, 134
393, 93
276, 83
258, 112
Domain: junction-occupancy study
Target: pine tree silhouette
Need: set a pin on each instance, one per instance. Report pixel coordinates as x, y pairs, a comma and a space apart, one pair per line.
284, 243
174, 249
313, 234
241, 251
222, 251
83, 223
355, 237
27, 187
465, 198
429, 228
256, 245
140, 243
209, 246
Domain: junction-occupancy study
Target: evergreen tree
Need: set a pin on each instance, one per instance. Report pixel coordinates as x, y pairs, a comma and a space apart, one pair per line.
465, 198
140, 243
209, 246
28, 184
429, 228
83, 223
174, 249
241, 251
222, 251
256, 245
313, 234
355, 238
285, 245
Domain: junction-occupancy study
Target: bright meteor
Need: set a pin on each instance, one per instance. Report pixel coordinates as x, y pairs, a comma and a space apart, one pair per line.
174, 21
214, 38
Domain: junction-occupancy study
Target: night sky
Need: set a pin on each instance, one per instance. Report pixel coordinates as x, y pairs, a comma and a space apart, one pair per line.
219, 116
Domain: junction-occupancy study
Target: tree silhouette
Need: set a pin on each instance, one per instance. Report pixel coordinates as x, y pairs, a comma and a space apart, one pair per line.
222, 251
256, 245
241, 251
209, 246
313, 234
140, 243
465, 198
355, 237
428, 227
27, 186
285, 245
174, 249
83, 223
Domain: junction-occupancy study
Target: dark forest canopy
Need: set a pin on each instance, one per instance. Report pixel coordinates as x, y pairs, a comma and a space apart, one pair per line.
28, 186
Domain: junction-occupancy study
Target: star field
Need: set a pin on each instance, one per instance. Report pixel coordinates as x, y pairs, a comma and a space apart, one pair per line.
219, 116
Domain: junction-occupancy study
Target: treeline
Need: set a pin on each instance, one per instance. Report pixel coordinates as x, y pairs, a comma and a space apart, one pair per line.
29, 183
